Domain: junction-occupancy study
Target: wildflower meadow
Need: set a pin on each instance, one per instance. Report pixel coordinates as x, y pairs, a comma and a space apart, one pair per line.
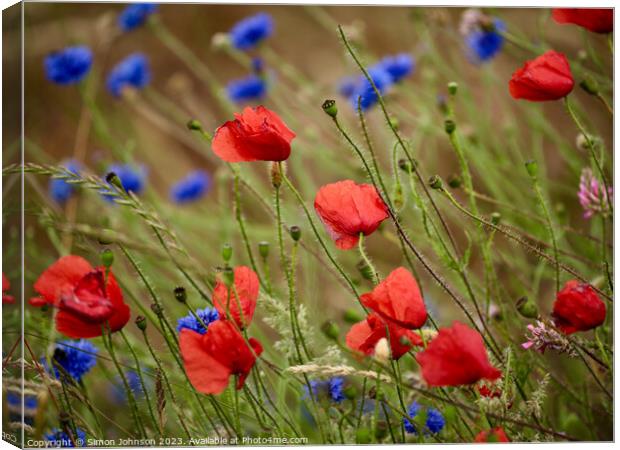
300, 224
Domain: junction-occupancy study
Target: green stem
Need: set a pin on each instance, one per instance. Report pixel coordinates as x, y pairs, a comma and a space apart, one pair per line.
375, 274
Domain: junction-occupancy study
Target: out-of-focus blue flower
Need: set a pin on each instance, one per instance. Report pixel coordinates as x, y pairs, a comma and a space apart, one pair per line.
434, 420
14, 406
258, 65
132, 178
191, 188
346, 86
336, 389
76, 358
398, 66
135, 15
133, 71
251, 87
119, 393
364, 90
69, 65
207, 315
59, 189
14, 399
247, 33
483, 45
58, 438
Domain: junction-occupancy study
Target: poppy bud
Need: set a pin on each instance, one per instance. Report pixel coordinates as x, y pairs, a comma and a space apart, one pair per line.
362, 436
229, 276
141, 322
405, 165
114, 180
495, 217
435, 182
330, 108
449, 126
330, 329
589, 85
453, 87
226, 252
194, 125
180, 294
107, 257
350, 392
352, 316
276, 175
263, 249
295, 232
532, 168
527, 308
454, 181
158, 310
365, 270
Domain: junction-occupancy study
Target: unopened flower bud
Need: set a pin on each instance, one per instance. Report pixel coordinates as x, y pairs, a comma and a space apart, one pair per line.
276, 174
589, 85
352, 316
365, 270
295, 232
263, 249
350, 392
527, 308
194, 125
114, 180
180, 294
532, 168
330, 329
227, 252
454, 181
141, 322
382, 351
229, 276
158, 310
496, 217
330, 108
449, 126
435, 182
453, 87
405, 165
107, 257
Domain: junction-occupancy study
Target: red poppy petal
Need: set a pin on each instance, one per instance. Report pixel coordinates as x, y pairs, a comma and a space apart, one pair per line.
75, 327
206, 374
227, 146
61, 277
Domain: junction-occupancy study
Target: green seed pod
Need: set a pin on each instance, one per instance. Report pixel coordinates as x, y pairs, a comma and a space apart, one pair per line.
295, 232
532, 168
453, 87
194, 125
107, 257
158, 310
435, 182
405, 165
180, 294
527, 308
330, 108
454, 181
449, 126
352, 316
331, 330
229, 276
263, 249
227, 252
141, 322
362, 436
364, 270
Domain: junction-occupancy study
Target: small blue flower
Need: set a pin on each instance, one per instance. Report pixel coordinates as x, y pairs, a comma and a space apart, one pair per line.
434, 419
207, 315
316, 386
247, 33
119, 392
398, 66
76, 358
133, 71
346, 86
251, 87
336, 389
69, 65
191, 188
132, 178
58, 438
60, 190
483, 45
135, 15
382, 80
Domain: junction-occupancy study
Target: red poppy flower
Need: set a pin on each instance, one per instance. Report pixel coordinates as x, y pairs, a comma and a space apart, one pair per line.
85, 301
257, 134
397, 299
246, 288
578, 308
6, 286
348, 209
547, 77
211, 358
493, 435
456, 356
364, 335
598, 20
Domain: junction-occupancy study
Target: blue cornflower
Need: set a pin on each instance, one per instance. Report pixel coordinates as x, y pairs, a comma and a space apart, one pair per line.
207, 315
251, 87
15, 399
191, 188
58, 438
76, 358
59, 189
133, 71
398, 66
132, 178
336, 389
382, 80
346, 86
119, 392
434, 419
247, 33
483, 45
315, 386
135, 15
69, 65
